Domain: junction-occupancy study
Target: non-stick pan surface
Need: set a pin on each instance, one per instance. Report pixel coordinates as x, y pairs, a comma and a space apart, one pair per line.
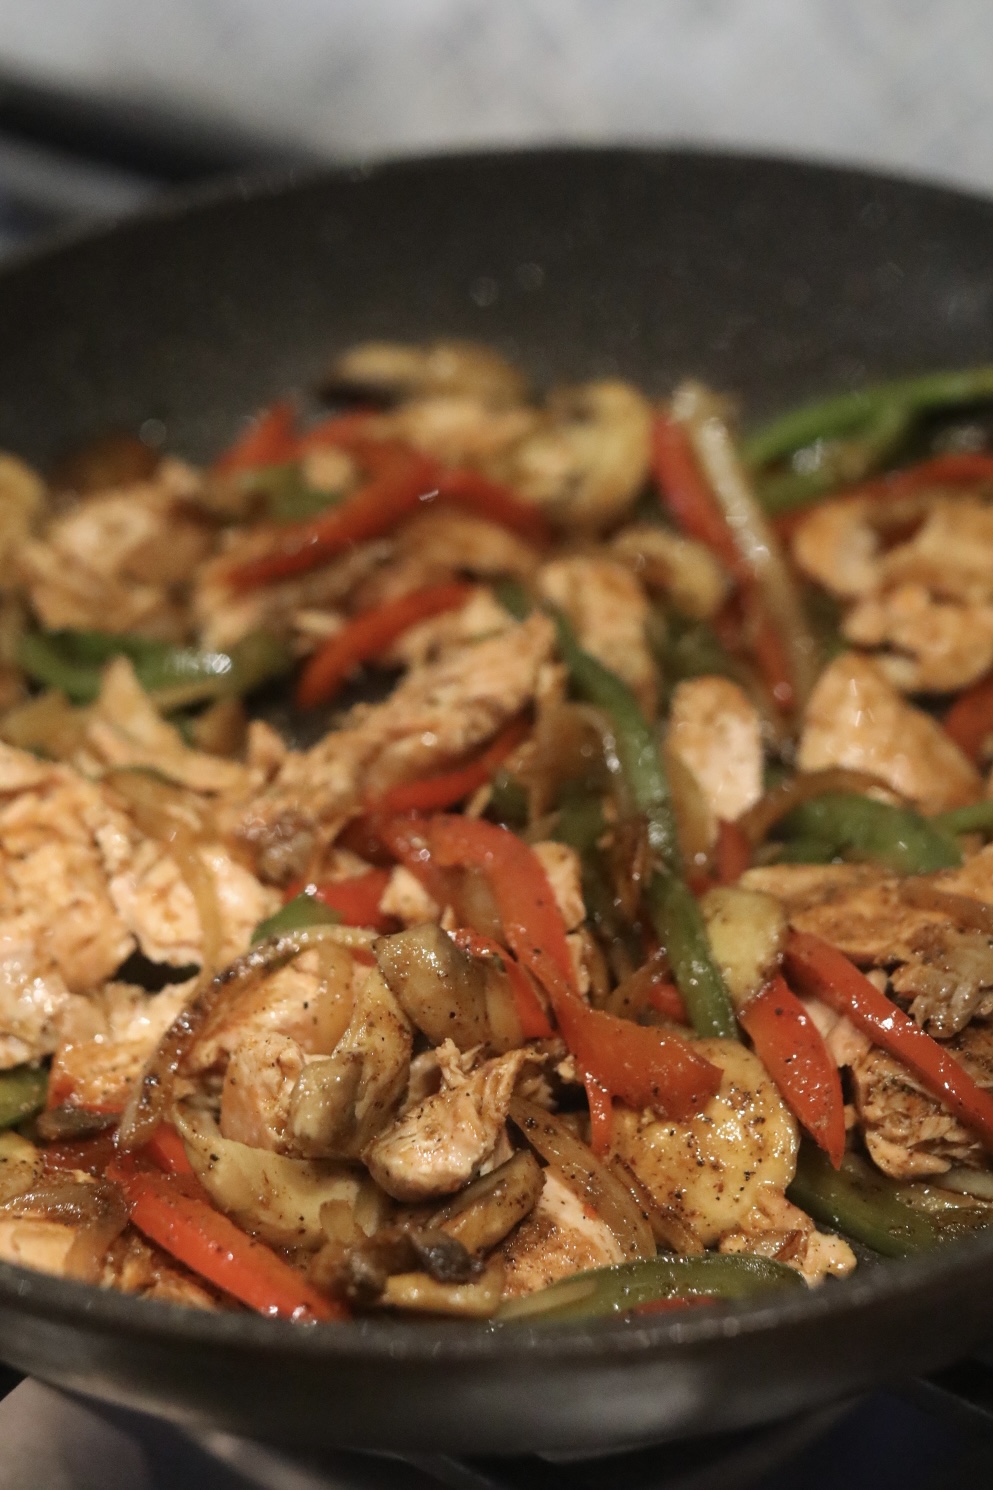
771, 279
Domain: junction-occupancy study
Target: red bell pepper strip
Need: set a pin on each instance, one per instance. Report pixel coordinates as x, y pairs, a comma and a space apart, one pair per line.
432, 793
688, 497
476, 493
601, 1106
821, 970
401, 481
91, 1155
665, 998
792, 1049
394, 492
732, 854
408, 841
368, 635
643, 1067
962, 469
686, 493
356, 899
969, 721
532, 922
166, 1149
173, 1211
340, 431
533, 1019
268, 441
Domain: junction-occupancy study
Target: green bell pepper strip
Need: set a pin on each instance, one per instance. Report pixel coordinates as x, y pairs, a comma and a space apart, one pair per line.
870, 1208
635, 744
73, 661
286, 495
514, 598
22, 1093
617, 1290
674, 910
845, 413
976, 818
298, 914
806, 850
830, 464
681, 930
896, 837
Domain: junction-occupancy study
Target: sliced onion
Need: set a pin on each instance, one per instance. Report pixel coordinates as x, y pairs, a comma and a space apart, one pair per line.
586, 1175
97, 1213
162, 812
977, 1182
776, 803
974, 914
153, 1095
669, 1230
696, 408
632, 992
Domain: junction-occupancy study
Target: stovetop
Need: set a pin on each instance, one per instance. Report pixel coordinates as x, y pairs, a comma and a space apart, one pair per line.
888, 1441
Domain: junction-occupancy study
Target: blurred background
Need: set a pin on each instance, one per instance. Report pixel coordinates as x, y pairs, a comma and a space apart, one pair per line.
166, 90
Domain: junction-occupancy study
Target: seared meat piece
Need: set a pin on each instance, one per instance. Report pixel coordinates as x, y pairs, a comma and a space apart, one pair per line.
711, 1169
438, 1146
855, 718
609, 609
561, 1236
906, 1130
715, 730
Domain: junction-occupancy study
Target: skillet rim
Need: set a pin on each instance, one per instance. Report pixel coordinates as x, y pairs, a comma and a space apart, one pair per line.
109, 1312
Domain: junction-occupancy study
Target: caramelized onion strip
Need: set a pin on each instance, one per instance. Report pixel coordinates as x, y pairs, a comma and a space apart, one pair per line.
153, 1095
976, 915
587, 1176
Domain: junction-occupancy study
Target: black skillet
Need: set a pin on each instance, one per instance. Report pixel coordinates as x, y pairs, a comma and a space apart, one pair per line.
772, 279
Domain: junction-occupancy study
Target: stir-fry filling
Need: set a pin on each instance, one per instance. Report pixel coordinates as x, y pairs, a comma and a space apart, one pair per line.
621, 939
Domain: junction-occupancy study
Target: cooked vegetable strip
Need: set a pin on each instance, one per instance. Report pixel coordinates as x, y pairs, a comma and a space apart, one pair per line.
821, 970
304, 910
632, 1285
969, 721
73, 662
532, 922
151, 1097
865, 1205
269, 439
637, 750
896, 837
780, 799
674, 910
682, 932
393, 493
368, 635
355, 901
846, 413
533, 1019
976, 914
641, 1065
174, 1212
591, 1179
473, 492
401, 483
792, 1050
433, 793
976, 818
644, 1067
22, 1093
688, 495
732, 853
781, 606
